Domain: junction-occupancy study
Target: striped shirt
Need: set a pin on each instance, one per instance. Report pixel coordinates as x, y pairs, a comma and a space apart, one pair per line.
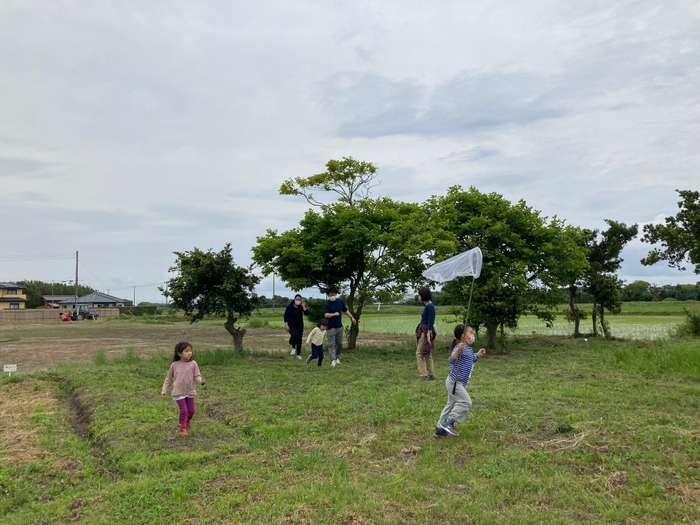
466, 363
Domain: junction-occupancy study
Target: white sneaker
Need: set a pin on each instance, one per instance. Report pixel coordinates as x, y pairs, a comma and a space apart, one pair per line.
337, 361
293, 351
333, 363
298, 357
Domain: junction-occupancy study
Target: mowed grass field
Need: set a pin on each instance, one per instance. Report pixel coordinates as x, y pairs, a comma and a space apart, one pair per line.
562, 431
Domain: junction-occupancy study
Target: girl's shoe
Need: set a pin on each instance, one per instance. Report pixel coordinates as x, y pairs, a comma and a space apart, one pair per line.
298, 357
293, 351
188, 424
183, 429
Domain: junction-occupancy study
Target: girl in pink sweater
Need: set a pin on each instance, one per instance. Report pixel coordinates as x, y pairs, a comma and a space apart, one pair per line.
183, 373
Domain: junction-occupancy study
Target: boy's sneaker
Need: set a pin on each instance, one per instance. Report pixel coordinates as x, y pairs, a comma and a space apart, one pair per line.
448, 426
293, 351
440, 433
334, 362
423, 378
431, 378
337, 361
308, 359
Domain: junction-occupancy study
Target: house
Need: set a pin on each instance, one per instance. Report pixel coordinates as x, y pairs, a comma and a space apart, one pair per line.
12, 296
94, 300
53, 301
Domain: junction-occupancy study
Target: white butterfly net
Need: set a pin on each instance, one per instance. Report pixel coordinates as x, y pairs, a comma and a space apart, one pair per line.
467, 264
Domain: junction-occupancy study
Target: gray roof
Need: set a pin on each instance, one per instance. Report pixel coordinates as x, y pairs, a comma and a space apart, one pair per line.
10, 285
96, 297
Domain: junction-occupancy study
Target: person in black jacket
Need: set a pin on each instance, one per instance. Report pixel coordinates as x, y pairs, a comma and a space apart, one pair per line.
294, 323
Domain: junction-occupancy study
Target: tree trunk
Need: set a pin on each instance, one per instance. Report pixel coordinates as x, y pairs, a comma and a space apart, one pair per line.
236, 331
594, 316
354, 328
575, 312
503, 339
491, 331
604, 325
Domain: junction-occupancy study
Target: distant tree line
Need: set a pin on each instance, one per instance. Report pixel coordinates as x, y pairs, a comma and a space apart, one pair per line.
34, 291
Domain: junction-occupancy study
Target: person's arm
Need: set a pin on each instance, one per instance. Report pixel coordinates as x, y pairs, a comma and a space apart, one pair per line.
431, 321
310, 336
458, 349
197, 375
306, 310
347, 312
168, 379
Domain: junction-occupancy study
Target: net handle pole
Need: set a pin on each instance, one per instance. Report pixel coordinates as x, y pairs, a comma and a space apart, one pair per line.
466, 320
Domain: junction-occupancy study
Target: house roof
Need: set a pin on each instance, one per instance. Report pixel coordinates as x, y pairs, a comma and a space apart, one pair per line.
95, 297
10, 299
11, 286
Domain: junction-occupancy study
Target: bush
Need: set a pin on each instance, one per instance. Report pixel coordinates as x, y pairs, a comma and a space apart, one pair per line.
257, 322
691, 326
137, 310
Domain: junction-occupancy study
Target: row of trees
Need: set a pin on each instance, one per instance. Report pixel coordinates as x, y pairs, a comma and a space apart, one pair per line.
35, 290
644, 291
375, 248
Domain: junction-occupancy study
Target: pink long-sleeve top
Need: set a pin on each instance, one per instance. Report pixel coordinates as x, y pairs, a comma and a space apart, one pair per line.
183, 375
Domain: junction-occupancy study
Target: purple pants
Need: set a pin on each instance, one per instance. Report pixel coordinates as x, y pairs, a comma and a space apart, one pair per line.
186, 409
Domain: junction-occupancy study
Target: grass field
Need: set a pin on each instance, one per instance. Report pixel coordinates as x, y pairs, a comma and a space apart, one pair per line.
643, 320
562, 431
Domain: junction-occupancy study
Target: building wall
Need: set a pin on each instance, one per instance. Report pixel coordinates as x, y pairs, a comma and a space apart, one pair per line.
7, 303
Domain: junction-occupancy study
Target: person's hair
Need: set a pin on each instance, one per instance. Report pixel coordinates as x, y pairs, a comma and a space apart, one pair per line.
425, 294
297, 295
179, 348
459, 332
322, 322
332, 289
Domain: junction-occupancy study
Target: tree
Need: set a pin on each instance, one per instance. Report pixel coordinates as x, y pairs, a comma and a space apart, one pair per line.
526, 256
637, 291
679, 236
362, 248
349, 178
576, 276
209, 283
604, 260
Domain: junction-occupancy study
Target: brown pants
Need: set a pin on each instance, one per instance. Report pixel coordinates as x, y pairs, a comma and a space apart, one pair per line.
425, 366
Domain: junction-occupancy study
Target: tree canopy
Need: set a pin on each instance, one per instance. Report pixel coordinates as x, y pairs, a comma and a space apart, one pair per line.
209, 283
526, 256
35, 290
366, 249
679, 236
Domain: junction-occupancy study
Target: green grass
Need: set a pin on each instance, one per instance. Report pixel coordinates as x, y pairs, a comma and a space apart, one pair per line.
562, 431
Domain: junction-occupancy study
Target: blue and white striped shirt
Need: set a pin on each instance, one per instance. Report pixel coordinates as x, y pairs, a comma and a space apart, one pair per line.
466, 363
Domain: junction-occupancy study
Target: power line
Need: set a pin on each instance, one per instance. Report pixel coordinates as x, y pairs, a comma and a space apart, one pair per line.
37, 257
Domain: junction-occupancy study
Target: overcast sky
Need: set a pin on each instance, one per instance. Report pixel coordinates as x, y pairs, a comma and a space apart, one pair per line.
129, 130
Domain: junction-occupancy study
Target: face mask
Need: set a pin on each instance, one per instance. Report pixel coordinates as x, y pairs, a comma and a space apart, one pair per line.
470, 339
297, 303
331, 297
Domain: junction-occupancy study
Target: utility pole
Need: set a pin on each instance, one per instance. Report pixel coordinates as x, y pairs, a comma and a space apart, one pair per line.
76, 280
134, 296
273, 292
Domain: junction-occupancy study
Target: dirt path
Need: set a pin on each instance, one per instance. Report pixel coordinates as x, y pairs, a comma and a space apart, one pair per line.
36, 346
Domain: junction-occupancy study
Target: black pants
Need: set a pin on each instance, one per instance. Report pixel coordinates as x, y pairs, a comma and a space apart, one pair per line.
295, 337
316, 353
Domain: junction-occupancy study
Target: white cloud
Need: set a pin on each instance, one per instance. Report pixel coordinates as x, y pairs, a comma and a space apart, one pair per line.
129, 130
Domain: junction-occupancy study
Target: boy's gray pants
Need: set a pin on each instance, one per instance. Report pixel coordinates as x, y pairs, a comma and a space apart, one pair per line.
335, 342
458, 404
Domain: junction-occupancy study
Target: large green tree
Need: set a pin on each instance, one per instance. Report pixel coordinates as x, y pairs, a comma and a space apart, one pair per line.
210, 283
527, 257
604, 260
679, 236
366, 248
